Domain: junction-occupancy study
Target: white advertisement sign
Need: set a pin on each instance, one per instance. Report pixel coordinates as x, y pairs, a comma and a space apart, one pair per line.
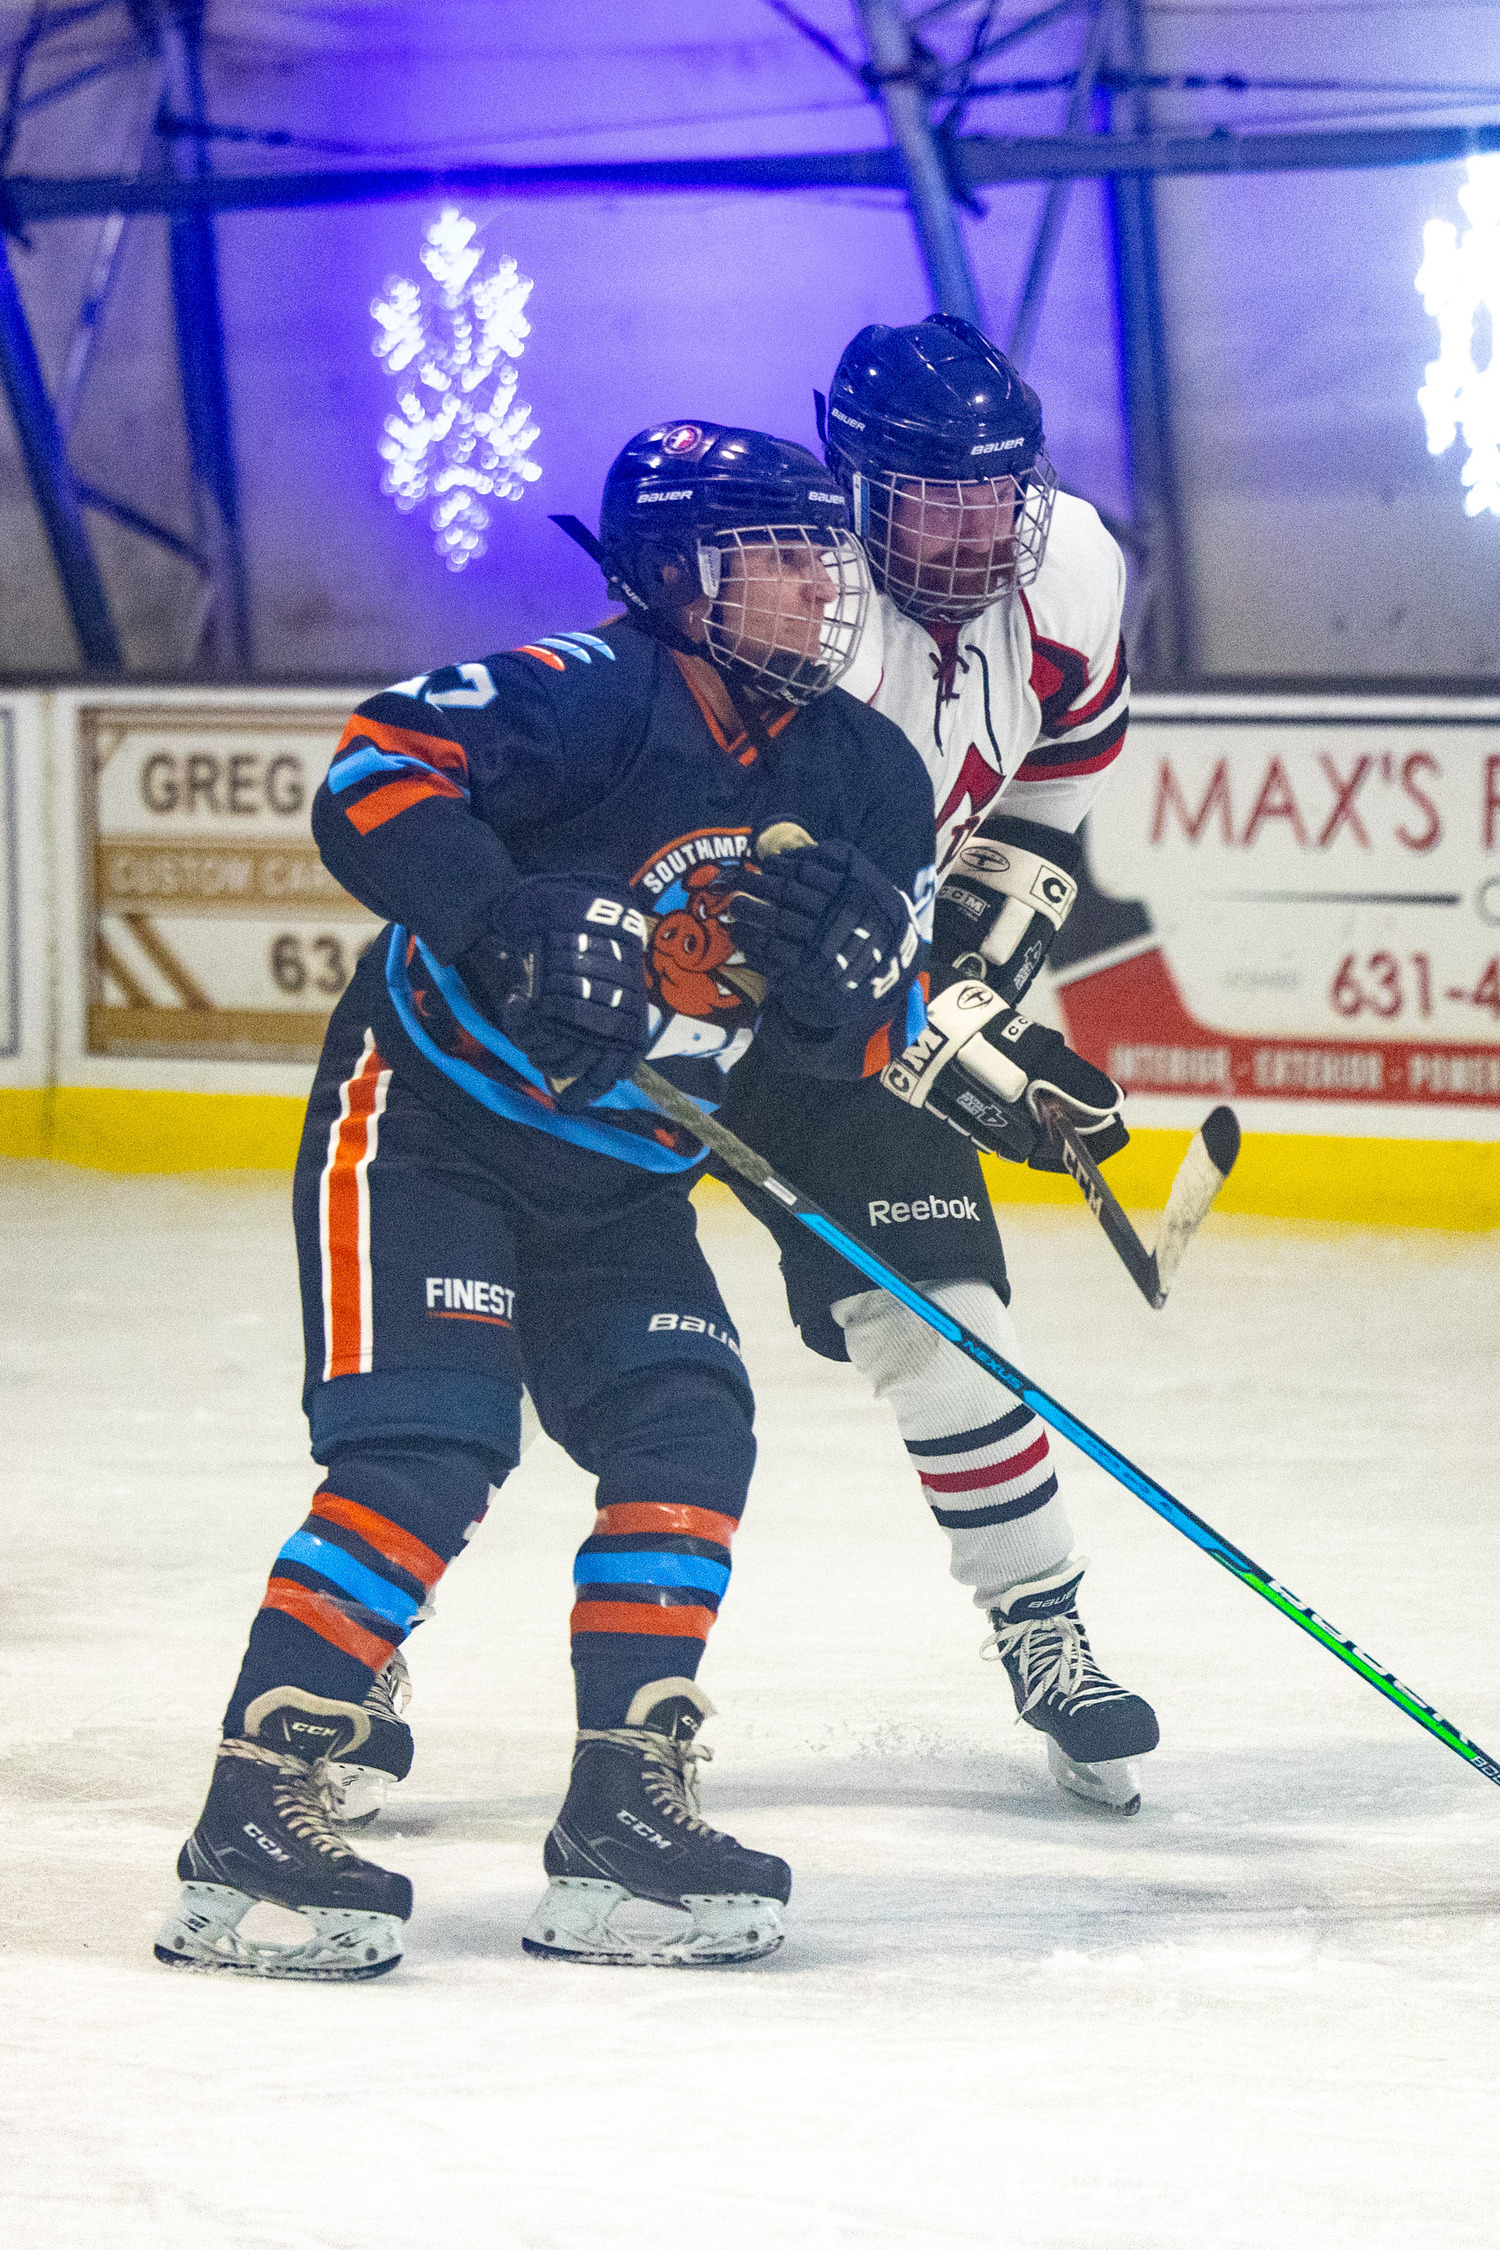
1303, 907
10, 893
216, 931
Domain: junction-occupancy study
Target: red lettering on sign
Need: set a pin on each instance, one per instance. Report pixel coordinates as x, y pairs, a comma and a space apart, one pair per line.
1434, 828
1491, 799
1215, 799
1277, 801
1345, 811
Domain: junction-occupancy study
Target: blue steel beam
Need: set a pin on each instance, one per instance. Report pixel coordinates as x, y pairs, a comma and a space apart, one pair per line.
983, 160
52, 483
929, 191
1168, 635
201, 355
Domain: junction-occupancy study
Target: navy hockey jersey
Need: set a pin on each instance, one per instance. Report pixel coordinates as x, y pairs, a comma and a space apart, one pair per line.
597, 753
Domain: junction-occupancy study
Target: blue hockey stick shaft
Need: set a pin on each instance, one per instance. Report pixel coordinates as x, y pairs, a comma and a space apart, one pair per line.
744, 1160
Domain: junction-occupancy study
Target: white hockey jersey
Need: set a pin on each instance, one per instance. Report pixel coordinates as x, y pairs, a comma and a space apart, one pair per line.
1023, 710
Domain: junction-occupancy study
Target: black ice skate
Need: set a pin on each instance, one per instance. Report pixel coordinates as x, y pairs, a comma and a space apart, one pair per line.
629, 1831
355, 1787
264, 1835
1095, 1730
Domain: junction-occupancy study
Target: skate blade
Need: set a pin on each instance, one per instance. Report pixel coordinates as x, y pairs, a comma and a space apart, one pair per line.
1111, 1784
575, 1922
355, 1795
346, 1946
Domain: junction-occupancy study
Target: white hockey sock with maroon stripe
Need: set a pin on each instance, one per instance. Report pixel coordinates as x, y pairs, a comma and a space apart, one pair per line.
983, 1458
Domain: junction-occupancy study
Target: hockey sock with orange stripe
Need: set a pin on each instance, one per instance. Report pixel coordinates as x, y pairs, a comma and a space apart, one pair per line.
984, 1460
673, 1476
356, 1575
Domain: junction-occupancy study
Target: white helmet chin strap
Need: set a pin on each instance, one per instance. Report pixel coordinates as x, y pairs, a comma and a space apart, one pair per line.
710, 570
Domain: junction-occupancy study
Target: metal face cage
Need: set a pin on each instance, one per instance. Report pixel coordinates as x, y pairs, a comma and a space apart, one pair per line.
943, 551
789, 605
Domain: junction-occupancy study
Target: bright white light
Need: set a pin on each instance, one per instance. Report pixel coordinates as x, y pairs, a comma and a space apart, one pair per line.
459, 436
1460, 282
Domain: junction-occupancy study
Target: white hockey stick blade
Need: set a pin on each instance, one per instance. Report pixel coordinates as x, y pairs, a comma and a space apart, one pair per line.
1207, 1165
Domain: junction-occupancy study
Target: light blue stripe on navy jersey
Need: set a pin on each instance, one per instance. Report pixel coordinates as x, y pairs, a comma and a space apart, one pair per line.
916, 1014
451, 985
608, 1140
344, 772
567, 645
375, 1593
649, 1569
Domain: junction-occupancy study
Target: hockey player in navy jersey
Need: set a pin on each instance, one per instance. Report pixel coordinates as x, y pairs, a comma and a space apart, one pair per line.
563, 841
995, 643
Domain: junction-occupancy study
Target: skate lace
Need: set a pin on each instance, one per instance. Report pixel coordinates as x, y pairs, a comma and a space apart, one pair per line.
1053, 1657
390, 1691
669, 1774
301, 1796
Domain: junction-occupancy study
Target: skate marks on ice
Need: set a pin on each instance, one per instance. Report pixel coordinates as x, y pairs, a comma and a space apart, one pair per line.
1260, 2016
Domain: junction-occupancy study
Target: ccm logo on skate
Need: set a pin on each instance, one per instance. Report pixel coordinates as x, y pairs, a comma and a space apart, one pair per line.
481, 1300
259, 1836
931, 1207
689, 1324
642, 1829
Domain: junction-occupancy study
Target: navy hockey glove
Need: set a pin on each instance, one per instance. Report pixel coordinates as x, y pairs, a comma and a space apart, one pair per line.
831, 935
1005, 896
980, 1065
563, 975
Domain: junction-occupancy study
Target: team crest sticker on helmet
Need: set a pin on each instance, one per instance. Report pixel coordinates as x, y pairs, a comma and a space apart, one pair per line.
737, 547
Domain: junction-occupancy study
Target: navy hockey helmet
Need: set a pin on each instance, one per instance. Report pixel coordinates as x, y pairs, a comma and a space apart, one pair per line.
755, 528
939, 445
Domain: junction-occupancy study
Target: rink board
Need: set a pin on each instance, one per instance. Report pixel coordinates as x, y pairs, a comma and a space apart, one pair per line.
1291, 904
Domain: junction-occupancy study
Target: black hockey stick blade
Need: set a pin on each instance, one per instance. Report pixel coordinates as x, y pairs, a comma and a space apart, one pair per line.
1097, 1194
754, 1167
1202, 1172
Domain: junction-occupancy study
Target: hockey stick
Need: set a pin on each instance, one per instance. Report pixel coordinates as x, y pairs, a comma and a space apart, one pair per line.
759, 1173
1201, 1174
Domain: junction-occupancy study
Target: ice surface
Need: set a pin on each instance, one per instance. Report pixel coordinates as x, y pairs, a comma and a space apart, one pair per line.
1264, 2012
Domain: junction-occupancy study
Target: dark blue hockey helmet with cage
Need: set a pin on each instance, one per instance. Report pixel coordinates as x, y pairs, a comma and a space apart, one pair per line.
939, 445
697, 514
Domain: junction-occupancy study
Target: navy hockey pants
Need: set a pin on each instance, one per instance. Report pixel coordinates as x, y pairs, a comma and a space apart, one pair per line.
429, 1295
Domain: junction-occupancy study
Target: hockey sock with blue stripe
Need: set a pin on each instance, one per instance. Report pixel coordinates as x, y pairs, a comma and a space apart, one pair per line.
356, 1575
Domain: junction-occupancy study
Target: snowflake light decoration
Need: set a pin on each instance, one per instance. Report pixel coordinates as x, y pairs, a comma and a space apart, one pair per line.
1460, 279
460, 436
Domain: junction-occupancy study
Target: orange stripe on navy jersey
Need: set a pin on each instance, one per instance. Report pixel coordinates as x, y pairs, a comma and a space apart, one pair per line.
405, 742
387, 1538
640, 1617
659, 1518
393, 797
323, 1616
344, 1218
878, 1052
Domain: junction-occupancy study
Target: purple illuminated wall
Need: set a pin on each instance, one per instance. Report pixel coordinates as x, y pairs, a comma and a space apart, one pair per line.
1324, 538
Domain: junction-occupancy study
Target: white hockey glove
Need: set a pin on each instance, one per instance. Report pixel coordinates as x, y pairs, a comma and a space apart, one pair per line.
980, 1065
1005, 896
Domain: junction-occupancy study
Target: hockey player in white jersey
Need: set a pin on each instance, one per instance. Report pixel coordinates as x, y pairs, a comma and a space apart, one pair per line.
996, 645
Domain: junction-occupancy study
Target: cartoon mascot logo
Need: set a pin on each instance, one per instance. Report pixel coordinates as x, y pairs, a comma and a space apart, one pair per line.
692, 943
